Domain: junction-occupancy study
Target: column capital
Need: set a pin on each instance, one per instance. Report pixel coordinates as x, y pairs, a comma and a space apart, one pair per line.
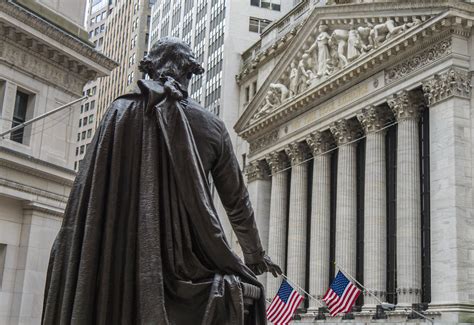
297, 152
405, 105
344, 131
257, 170
453, 82
319, 142
277, 161
373, 118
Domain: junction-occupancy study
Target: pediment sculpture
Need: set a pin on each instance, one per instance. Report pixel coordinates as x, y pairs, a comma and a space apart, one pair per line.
328, 50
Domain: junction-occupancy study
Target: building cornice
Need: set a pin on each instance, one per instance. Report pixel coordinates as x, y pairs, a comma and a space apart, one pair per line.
48, 29
36, 167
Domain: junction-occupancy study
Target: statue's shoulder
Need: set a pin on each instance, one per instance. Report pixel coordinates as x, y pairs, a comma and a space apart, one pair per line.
199, 113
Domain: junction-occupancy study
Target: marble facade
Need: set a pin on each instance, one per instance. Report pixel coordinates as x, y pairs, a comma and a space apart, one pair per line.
50, 63
365, 70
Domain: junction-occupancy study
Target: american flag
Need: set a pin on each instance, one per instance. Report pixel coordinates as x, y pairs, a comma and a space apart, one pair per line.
284, 304
341, 295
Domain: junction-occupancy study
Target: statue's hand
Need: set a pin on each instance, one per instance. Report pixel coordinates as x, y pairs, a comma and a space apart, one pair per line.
265, 265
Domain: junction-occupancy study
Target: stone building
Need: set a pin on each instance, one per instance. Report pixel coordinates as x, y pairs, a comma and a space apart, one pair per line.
45, 60
360, 152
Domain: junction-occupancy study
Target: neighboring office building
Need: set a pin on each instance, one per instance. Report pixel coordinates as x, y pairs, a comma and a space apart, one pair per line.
366, 160
96, 26
45, 60
125, 41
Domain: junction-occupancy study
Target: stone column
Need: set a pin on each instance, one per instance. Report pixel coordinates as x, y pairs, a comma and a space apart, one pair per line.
278, 214
373, 119
451, 201
297, 224
320, 143
345, 132
406, 109
259, 187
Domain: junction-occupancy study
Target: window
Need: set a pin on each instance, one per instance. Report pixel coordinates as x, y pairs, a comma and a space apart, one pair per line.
86, 107
92, 105
3, 254
89, 133
104, 15
254, 88
19, 116
77, 148
96, 31
80, 122
75, 165
247, 94
91, 118
257, 25
83, 135
84, 121
78, 136
82, 149
267, 4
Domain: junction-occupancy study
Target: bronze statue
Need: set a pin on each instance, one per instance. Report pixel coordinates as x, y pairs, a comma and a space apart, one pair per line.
141, 242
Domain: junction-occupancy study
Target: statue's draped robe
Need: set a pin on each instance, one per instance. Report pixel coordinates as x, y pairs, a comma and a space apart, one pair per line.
141, 242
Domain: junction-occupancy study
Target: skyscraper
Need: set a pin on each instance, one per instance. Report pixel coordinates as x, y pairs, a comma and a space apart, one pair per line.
218, 31
119, 29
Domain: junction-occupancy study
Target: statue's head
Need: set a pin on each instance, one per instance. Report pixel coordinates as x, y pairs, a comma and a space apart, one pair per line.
170, 56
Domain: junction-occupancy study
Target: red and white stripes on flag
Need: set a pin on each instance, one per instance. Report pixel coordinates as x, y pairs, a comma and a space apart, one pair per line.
284, 304
341, 295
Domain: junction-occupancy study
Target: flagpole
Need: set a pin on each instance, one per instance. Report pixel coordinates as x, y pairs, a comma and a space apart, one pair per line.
309, 295
376, 298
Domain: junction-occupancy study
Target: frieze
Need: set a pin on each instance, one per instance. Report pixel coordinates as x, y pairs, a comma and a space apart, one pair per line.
40, 67
453, 82
428, 56
262, 142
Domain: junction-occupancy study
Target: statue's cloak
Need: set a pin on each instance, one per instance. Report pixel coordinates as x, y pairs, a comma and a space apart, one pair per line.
141, 242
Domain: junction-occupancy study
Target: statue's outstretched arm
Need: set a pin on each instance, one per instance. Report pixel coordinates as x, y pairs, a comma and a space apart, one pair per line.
235, 199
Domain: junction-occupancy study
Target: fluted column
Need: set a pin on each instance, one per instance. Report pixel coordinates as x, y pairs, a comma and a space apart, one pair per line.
406, 110
297, 224
259, 187
320, 143
345, 132
373, 119
278, 213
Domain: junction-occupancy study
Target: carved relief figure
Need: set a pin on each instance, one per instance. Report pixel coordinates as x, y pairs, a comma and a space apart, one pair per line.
382, 32
354, 44
281, 89
305, 73
294, 76
339, 39
321, 45
271, 101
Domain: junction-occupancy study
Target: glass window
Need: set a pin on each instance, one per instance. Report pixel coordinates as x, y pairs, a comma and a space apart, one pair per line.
83, 135
78, 137
80, 122
255, 3
96, 31
77, 151
247, 94
91, 118
86, 108
92, 105
19, 116
253, 25
89, 133
82, 149
84, 121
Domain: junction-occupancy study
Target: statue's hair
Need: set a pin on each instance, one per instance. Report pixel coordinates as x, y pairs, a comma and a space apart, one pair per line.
170, 56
